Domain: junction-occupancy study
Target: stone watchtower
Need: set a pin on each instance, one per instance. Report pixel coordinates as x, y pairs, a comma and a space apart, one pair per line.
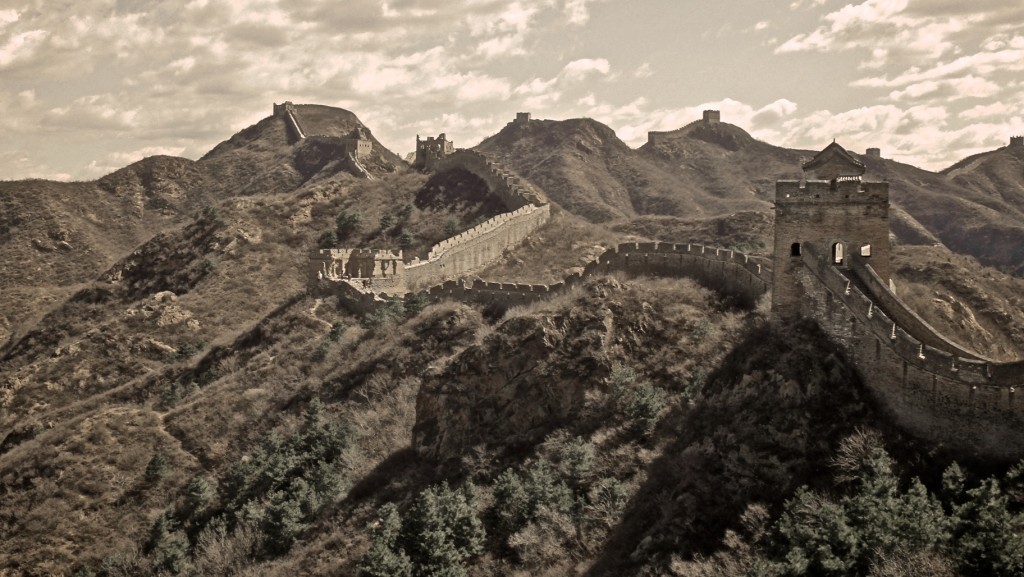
1017, 141
432, 150
833, 212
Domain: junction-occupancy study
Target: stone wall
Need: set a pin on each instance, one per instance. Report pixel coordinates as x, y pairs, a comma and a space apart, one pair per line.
734, 274
902, 314
1017, 141
511, 189
475, 248
380, 271
849, 212
287, 111
966, 404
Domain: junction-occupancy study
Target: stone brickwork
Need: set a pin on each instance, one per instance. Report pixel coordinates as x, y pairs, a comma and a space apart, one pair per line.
513, 191
432, 150
964, 402
832, 264
476, 248
712, 117
734, 274
374, 270
467, 252
286, 111
844, 214
357, 143
1017, 141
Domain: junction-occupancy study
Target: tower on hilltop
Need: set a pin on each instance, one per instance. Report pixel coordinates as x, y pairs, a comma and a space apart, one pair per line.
833, 211
431, 150
712, 117
1017, 141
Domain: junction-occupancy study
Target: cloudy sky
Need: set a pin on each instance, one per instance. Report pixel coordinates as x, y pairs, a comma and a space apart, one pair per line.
88, 86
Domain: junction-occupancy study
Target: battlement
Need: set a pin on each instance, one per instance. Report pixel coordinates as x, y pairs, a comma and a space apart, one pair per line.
432, 150
843, 189
1017, 141
712, 117
283, 108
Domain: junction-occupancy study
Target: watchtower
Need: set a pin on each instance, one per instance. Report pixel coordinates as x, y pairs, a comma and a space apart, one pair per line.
431, 150
1017, 141
358, 143
712, 116
834, 211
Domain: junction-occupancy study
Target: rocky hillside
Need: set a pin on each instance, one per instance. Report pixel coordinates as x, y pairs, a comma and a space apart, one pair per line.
173, 402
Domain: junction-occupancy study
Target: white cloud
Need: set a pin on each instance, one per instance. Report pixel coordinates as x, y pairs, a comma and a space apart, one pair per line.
9, 16
576, 12
579, 69
21, 46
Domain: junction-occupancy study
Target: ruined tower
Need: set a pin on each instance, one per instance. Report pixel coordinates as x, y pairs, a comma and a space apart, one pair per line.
1017, 141
431, 150
835, 214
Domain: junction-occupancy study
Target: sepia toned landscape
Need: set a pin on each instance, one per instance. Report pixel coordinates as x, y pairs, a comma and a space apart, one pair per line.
563, 346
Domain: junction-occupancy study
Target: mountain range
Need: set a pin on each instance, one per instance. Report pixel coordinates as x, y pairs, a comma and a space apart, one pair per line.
156, 338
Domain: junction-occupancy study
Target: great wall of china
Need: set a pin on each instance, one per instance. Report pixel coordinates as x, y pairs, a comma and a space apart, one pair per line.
830, 261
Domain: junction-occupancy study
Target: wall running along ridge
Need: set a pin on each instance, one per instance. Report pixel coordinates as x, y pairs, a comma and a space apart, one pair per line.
734, 274
934, 387
462, 254
969, 404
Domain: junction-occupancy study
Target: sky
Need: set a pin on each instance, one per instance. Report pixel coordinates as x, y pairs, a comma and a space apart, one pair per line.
90, 86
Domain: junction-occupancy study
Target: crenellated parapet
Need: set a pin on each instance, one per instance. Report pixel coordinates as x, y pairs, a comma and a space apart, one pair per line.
932, 386
740, 276
465, 253
373, 270
508, 186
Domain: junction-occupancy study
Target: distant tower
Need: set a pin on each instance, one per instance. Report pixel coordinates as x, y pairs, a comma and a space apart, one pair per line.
874, 153
522, 118
283, 108
833, 211
431, 150
1017, 141
358, 143
712, 117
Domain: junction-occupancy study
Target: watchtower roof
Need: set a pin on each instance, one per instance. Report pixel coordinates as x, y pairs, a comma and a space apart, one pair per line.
833, 162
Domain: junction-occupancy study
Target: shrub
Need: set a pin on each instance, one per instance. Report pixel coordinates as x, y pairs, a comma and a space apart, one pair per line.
644, 409
405, 240
287, 480
436, 538
328, 239
199, 494
157, 467
385, 558
335, 334
347, 224
451, 228
206, 267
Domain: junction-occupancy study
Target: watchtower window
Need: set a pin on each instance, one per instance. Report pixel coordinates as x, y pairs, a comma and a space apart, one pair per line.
865, 250
837, 253
794, 249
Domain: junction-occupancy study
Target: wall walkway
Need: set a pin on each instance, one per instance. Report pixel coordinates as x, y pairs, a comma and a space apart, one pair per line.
932, 386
